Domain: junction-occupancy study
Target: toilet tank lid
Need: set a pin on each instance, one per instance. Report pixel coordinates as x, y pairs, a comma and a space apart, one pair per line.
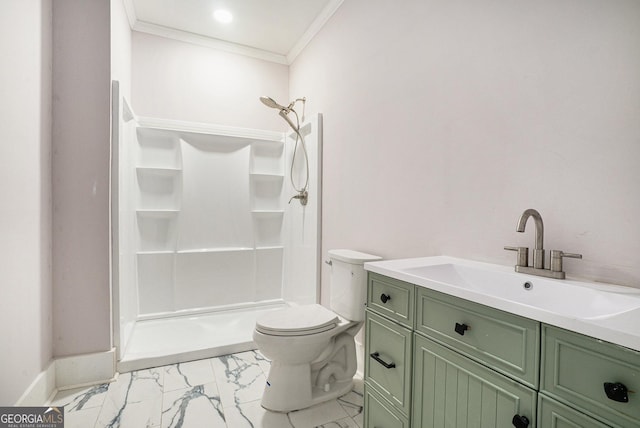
353, 257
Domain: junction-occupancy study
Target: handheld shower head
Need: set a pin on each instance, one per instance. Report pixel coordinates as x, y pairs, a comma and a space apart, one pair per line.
284, 113
270, 102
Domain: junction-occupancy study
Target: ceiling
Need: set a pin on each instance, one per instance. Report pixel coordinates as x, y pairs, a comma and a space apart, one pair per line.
274, 30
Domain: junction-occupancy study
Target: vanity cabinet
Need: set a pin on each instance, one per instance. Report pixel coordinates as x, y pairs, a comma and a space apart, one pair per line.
436, 361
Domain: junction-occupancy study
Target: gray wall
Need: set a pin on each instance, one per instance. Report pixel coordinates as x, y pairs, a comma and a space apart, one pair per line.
81, 127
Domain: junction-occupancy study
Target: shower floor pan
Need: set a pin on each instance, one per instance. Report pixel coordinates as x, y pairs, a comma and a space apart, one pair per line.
160, 342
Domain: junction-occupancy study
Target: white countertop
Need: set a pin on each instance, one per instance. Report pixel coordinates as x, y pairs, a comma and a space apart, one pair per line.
604, 311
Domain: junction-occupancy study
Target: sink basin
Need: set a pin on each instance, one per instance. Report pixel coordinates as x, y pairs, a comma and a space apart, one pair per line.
579, 301
604, 311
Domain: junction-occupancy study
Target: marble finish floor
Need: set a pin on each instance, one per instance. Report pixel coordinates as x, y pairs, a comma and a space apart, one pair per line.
220, 392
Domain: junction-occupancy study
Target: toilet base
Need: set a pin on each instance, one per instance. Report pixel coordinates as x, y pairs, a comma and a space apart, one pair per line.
294, 391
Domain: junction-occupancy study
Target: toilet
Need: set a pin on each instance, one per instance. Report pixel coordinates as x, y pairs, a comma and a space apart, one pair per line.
311, 348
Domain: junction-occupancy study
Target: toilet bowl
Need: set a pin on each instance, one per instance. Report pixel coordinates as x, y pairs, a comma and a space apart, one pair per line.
311, 348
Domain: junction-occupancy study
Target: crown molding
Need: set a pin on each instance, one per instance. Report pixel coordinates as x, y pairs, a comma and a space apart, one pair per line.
210, 42
130, 10
313, 29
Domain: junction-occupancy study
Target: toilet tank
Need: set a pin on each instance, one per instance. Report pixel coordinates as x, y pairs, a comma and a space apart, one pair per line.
348, 283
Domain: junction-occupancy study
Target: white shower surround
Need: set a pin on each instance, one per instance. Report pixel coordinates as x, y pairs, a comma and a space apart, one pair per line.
204, 227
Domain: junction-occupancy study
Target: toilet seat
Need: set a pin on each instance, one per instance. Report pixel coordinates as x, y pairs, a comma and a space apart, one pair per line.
297, 321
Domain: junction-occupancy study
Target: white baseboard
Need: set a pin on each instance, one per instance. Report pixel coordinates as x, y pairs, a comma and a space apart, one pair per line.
86, 369
70, 372
41, 389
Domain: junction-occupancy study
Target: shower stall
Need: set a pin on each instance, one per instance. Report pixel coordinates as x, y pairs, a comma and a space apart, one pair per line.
205, 235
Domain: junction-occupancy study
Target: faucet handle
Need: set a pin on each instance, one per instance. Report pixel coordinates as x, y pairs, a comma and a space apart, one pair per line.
556, 259
523, 255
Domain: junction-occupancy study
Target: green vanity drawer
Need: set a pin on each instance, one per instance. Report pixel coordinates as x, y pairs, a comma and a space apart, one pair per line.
505, 342
552, 414
387, 365
575, 369
453, 391
392, 298
379, 413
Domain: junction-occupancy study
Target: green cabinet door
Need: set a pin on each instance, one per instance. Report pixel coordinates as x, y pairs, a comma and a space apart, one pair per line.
387, 367
379, 413
552, 414
451, 391
578, 370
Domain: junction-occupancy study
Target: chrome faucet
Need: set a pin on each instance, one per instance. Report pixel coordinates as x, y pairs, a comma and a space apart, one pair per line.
522, 265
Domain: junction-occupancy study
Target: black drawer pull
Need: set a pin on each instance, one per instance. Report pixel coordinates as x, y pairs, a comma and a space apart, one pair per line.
616, 392
520, 421
461, 328
376, 356
385, 298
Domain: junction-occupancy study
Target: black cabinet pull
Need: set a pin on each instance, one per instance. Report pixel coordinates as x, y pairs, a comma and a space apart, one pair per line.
520, 421
461, 328
376, 356
385, 298
616, 392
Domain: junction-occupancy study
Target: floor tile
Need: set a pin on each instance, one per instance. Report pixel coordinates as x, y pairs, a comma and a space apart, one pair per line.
184, 375
197, 406
263, 362
221, 392
81, 418
252, 415
317, 415
352, 403
130, 414
79, 399
133, 400
240, 378
342, 423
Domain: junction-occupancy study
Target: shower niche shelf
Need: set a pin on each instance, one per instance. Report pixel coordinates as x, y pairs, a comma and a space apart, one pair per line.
267, 160
266, 192
266, 180
268, 228
158, 149
149, 253
159, 188
163, 172
215, 250
268, 213
267, 176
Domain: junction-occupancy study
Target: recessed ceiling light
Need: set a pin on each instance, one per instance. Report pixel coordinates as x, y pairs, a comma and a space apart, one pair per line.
223, 16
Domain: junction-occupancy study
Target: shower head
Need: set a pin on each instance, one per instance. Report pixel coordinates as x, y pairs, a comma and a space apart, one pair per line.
270, 102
